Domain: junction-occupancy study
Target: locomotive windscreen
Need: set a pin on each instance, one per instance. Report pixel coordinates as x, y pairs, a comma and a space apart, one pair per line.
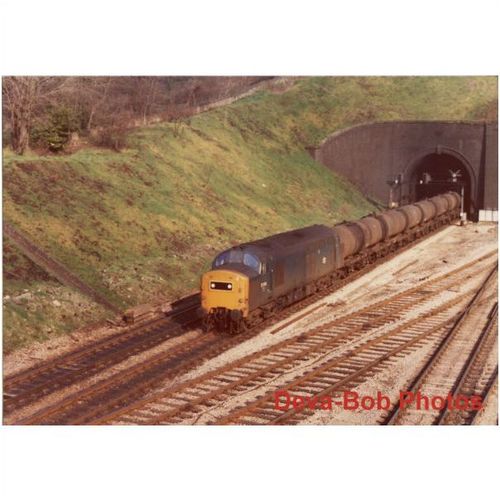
237, 256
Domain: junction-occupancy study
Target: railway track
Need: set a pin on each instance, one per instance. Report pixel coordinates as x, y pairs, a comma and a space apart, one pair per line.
48, 377
353, 333
36, 382
128, 385
463, 364
474, 380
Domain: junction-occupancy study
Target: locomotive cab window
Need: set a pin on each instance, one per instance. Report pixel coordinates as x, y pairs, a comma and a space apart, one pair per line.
251, 261
236, 256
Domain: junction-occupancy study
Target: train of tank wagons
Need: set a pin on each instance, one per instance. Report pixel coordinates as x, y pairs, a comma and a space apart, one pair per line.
253, 281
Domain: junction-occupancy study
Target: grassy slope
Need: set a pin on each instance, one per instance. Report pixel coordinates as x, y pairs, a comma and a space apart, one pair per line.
147, 221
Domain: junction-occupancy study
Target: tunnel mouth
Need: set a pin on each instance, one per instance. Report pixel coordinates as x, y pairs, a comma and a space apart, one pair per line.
438, 173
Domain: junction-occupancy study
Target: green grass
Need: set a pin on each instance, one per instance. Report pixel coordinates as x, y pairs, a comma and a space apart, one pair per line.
145, 223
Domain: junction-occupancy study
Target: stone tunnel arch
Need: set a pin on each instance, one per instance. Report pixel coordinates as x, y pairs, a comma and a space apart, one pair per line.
380, 158
432, 172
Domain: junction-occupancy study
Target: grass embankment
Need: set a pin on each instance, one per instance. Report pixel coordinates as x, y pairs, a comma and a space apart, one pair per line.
146, 222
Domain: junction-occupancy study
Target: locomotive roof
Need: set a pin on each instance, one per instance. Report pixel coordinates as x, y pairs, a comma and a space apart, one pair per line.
290, 240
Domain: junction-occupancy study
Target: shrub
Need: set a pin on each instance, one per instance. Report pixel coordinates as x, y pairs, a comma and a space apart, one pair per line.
55, 131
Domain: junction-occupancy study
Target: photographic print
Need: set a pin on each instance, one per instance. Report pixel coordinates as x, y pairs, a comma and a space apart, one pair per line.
250, 250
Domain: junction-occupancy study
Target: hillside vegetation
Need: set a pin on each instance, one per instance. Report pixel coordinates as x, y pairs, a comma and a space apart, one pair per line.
144, 223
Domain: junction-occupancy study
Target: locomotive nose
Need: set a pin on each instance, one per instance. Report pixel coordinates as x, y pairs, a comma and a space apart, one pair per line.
225, 289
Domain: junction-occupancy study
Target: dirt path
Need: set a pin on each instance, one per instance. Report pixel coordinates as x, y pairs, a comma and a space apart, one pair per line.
53, 267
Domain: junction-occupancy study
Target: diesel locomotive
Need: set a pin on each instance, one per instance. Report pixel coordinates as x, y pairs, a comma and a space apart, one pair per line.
252, 281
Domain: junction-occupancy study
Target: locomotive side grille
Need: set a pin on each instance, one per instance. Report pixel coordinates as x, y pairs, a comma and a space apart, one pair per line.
279, 275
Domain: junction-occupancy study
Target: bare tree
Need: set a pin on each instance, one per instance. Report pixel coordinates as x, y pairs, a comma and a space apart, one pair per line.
143, 92
35, 105
151, 91
22, 97
92, 94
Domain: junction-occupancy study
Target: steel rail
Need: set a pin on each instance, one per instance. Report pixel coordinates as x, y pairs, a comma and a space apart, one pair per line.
330, 334
213, 349
78, 365
393, 415
279, 359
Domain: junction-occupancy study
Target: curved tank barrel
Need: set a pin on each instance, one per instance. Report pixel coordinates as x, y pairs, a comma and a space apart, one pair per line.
365, 230
450, 201
413, 215
440, 203
457, 197
351, 238
453, 200
393, 222
428, 209
373, 230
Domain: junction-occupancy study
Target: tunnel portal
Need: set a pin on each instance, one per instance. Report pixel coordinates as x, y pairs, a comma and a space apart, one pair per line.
393, 163
438, 173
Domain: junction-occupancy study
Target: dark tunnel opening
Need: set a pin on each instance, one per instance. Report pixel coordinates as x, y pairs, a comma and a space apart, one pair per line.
438, 173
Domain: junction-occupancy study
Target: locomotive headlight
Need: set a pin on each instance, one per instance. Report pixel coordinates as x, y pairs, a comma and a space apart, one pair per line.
221, 285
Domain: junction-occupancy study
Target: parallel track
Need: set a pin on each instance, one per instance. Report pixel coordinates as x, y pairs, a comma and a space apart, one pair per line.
32, 385
462, 344
50, 376
132, 383
192, 399
475, 379
36, 382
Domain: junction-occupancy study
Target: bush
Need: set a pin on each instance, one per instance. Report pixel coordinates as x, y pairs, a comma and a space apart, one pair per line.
55, 132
